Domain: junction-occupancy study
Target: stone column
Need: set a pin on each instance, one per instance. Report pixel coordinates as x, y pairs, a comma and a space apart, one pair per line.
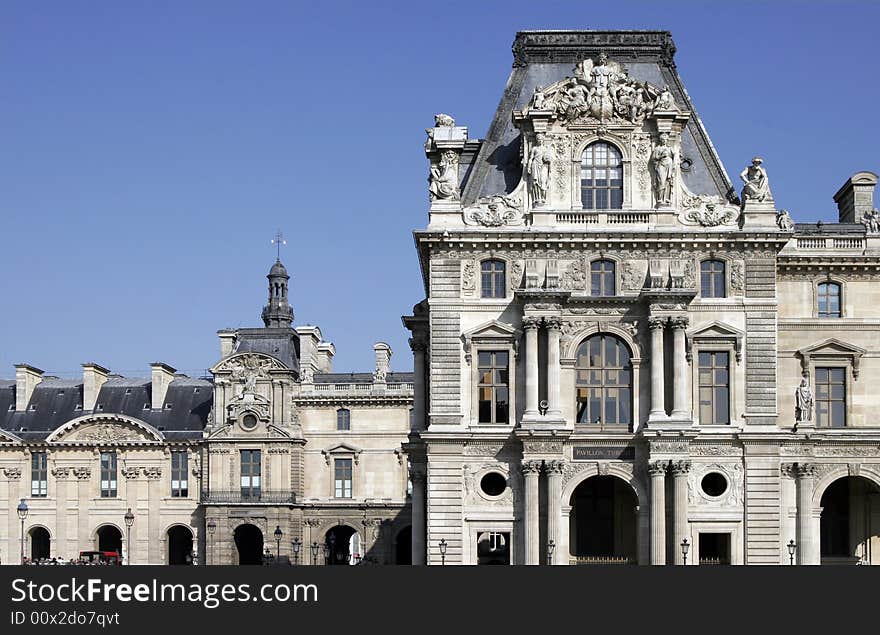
680, 471
680, 375
657, 470
554, 331
419, 346
530, 324
805, 473
419, 480
554, 509
531, 470
658, 408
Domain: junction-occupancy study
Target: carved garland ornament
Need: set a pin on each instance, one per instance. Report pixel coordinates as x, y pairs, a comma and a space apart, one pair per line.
495, 211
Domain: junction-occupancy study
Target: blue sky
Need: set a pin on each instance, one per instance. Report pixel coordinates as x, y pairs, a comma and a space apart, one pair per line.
150, 150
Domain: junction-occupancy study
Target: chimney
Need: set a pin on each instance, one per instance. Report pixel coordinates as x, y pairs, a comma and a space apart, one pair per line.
324, 356
94, 376
161, 375
855, 197
26, 379
383, 360
227, 342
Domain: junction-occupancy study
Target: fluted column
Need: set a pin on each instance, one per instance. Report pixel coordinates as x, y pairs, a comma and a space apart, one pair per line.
805, 474
530, 324
554, 509
658, 409
680, 375
657, 470
419, 346
531, 470
680, 471
554, 331
419, 479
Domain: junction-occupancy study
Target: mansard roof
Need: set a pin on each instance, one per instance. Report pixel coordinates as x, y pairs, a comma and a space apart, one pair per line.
542, 58
280, 343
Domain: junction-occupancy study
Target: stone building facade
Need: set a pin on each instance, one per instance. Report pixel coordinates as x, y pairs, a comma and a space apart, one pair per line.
270, 447
621, 358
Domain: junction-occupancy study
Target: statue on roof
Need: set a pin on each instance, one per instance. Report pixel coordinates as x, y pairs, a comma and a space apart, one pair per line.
784, 221
539, 170
871, 220
756, 186
443, 182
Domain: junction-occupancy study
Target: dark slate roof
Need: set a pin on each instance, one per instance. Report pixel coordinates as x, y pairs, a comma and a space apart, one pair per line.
830, 228
361, 378
542, 58
281, 343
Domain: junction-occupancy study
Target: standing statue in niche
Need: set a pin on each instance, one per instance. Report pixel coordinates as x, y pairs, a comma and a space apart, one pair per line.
804, 399
538, 99
539, 170
443, 183
664, 170
756, 187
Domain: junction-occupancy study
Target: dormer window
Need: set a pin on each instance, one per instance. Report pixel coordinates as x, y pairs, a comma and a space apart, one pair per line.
601, 177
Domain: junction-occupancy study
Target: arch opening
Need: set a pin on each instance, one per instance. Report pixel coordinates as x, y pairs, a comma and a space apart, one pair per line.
40, 541
249, 543
849, 528
603, 522
343, 546
403, 547
180, 545
110, 539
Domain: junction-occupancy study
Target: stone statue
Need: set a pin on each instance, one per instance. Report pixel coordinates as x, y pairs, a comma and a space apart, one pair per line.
871, 220
804, 398
756, 187
664, 101
442, 120
443, 183
538, 99
664, 170
539, 170
783, 220
573, 103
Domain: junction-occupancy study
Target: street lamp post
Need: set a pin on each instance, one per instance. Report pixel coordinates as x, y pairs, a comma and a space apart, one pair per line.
211, 527
332, 539
443, 551
22, 514
296, 544
792, 547
551, 546
129, 521
315, 548
326, 553
267, 555
278, 535
684, 551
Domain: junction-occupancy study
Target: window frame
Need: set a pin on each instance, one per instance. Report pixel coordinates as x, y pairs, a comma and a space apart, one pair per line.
254, 492
834, 353
179, 491
604, 386
724, 273
493, 386
337, 460
577, 182
108, 471
817, 309
844, 401
343, 414
604, 275
492, 336
712, 352
495, 276
41, 472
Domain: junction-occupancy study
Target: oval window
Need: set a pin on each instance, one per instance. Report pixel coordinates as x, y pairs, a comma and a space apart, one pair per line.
714, 484
493, 484
249, 422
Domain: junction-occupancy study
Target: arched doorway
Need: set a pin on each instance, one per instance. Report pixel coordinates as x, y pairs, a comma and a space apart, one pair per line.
39, 537
850, 523
403, 546
180, 545
344, 545
603, 522
249, 542
110, 539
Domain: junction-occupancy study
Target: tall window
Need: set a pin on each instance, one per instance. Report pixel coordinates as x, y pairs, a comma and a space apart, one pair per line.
493, 387
250, 474
108, 474
601, 177
38, 475
829, 300
712, 282
714, 378
179, 478
342, 478
831, 397
602, 278
604, 381
343, 419
493, 280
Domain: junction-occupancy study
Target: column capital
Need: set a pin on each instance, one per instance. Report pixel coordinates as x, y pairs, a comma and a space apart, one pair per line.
418, 344
553, 322
680, 468
554, 467
788, 470
806, 470
658, 468
531, 467
530, 322
418, 477
656, 322
679, 322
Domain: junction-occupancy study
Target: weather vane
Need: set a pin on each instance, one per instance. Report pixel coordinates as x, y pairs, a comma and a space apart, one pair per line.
278, 241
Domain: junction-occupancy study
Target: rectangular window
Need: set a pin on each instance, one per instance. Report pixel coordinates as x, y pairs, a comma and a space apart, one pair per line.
492, 279
343, 419
602, 278
179, 479
831, 397
829, 300
714, 387
108, 474
712, 279
342, 478
493, 387
250, 474
38, 475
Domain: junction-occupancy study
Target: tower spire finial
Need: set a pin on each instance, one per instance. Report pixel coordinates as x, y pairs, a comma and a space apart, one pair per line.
278, 241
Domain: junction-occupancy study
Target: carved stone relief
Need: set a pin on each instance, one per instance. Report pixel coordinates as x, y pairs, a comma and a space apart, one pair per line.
733, 494
495, 211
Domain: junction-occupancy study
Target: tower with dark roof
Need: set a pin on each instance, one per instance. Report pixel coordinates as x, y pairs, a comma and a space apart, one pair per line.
278, 313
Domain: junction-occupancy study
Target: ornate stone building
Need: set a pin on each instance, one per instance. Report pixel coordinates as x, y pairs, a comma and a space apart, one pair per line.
271, 447
620, 357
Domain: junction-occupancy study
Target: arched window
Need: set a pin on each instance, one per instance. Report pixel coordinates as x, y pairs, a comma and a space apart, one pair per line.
602, 278
493, 283
343, 419
712, 279
829, 300
604, 381
601, 177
